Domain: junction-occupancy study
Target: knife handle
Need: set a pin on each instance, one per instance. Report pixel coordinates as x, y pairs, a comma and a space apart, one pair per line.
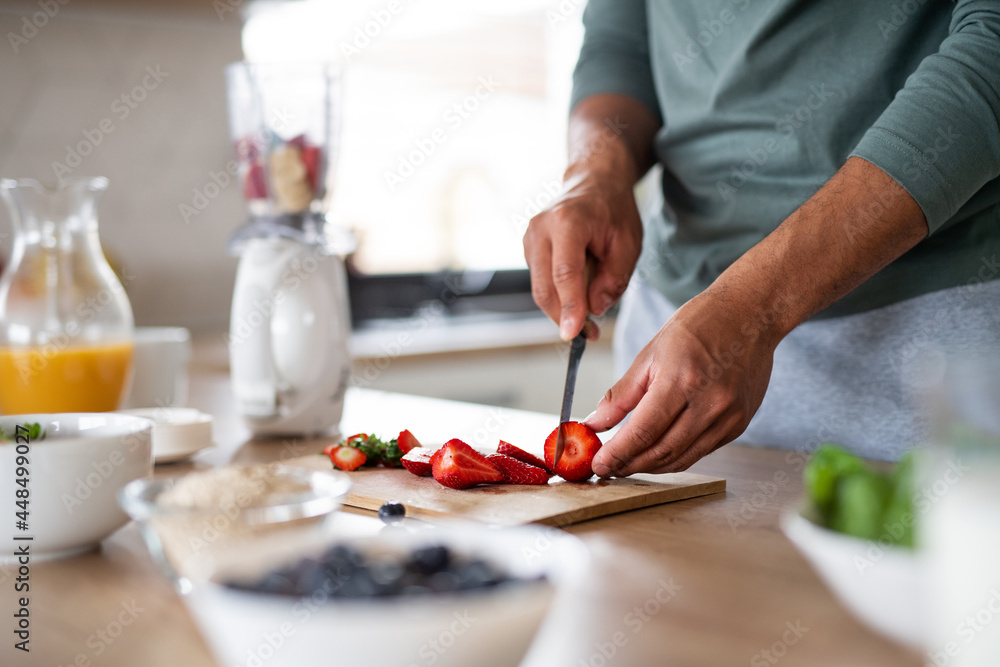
590, 329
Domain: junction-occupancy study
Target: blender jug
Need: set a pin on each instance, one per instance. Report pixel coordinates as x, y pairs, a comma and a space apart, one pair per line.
290, 318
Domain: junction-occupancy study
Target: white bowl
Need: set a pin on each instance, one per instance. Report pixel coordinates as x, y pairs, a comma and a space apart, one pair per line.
72, 477
487, 628
178, 433
882, 585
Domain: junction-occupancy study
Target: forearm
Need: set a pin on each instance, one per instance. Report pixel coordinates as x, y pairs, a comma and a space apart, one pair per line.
859, 222
611, 136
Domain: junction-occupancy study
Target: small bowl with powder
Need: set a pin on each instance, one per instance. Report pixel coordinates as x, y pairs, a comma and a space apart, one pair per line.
190, 523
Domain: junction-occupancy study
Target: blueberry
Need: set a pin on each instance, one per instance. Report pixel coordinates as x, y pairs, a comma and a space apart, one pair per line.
427, 560
341, 553
476, 574
443, 582
346, 572
387, 573
342, 560
359, 585
392, 512
311, 576
276, 582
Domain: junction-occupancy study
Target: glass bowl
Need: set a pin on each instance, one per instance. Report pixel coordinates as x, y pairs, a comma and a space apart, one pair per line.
188, 536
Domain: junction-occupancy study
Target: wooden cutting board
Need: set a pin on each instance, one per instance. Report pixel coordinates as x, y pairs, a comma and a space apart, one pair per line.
557, 504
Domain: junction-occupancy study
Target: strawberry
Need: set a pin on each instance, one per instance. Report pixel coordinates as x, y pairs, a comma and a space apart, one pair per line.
521, 455
578, 454
418, 461
310, 158
518, 472
406, 441
459, 466
347, 458
329, 449
255, 183
437, 454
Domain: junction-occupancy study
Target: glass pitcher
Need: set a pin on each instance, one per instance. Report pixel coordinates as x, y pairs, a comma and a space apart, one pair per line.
65, 321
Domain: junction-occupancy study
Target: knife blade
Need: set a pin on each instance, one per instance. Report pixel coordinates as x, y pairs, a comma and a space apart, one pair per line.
576, 349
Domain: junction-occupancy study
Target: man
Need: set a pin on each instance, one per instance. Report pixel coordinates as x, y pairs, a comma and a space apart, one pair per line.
831, 208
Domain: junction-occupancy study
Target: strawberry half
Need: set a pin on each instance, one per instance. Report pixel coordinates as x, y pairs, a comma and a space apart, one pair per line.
311, 158
418, 461
518, 472
406, 441
459, 466
517, 453
255, 183
578, 454
347, 458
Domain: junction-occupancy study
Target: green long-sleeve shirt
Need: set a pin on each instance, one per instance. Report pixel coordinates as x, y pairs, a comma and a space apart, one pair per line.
762, 102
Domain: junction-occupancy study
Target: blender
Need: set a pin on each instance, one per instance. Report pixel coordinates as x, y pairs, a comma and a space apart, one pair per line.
290, 318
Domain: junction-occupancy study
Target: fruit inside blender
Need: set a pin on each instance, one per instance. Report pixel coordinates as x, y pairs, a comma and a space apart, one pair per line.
285, 173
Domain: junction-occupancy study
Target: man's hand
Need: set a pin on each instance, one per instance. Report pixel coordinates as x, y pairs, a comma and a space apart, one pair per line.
698, 383
693, 388
594, 215
610, 148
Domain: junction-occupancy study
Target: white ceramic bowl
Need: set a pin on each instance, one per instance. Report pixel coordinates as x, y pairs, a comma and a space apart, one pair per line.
882, 585
487, 628
178, 433
72, 478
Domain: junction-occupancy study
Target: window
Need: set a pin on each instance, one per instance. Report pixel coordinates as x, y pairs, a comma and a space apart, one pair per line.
454, 120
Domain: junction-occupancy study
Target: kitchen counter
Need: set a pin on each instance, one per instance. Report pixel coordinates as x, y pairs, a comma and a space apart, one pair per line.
704, 582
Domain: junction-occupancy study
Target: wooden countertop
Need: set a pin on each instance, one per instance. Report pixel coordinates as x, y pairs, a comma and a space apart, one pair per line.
736, 585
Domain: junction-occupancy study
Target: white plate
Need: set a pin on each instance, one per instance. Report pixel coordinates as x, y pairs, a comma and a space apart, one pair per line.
178, 433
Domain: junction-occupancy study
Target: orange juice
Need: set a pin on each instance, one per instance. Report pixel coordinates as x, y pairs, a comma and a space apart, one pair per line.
70, 379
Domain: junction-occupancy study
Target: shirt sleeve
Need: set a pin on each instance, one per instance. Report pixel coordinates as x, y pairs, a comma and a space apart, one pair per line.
615, 56
940, 136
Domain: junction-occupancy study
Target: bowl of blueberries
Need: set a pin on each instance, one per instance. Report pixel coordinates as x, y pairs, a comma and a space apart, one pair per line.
448, 595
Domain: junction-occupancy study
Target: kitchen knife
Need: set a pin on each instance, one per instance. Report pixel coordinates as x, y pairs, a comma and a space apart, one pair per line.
575, 353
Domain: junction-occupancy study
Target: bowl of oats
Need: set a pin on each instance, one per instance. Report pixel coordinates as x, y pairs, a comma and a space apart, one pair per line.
192, 522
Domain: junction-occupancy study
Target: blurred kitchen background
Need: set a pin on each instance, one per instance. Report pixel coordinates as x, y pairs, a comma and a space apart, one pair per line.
453, 226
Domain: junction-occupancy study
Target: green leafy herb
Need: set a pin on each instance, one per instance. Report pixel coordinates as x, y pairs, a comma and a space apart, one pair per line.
35, 432
378, 451
852, 498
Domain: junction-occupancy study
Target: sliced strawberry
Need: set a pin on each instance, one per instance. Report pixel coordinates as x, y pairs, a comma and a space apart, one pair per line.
255, 184
357, 437
518, 472
310, 158
437, 454
406, 441
459, 466
347, 458
517, 453
418, 461
578, 454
